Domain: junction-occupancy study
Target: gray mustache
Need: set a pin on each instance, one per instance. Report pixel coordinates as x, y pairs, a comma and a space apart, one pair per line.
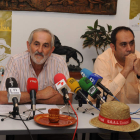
38, 53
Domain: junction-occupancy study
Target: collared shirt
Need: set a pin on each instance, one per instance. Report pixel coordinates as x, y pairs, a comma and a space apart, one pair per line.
20, 67
126, 90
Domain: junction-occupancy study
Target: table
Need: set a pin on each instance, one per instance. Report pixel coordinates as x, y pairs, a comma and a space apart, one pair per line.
14, 127
11, 127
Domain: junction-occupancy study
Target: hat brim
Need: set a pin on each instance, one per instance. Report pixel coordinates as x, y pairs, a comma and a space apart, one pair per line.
133, 126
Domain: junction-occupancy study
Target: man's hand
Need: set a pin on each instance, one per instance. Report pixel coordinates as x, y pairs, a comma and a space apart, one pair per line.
137, 66
129, 64
50, 96
46, 93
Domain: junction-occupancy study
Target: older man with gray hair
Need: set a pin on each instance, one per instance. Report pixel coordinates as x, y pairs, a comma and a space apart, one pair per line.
38, 62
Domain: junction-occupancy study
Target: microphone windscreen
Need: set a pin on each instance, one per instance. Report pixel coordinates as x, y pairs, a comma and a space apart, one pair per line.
32, 84
11, 82
85, 72
95, 78
73, 84
85, 83
58, 77
87, 86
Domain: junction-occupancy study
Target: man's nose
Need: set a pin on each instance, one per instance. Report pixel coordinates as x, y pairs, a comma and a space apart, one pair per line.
40, 49
128, 47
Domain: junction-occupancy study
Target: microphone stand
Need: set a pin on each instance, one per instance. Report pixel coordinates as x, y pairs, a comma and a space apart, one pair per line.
66, 98
98, 102
104, 96
33, 105
80, 103
100, 99
31, 110
15, 109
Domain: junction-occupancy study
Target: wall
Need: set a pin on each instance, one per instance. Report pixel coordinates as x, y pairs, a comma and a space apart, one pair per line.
68, 27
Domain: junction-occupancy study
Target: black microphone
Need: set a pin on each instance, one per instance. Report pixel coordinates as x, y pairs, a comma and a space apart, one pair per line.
14, 94
32, 88
13, 90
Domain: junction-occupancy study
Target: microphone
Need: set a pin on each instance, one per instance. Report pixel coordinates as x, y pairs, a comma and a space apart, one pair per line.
1, 71
95, 79
75, 87
62, 87
14, 93
32, 88
87, 85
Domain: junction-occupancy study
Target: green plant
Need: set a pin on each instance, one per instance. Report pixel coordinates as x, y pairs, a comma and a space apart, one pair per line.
97, 36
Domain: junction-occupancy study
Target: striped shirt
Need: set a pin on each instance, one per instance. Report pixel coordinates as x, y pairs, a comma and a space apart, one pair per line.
20, 67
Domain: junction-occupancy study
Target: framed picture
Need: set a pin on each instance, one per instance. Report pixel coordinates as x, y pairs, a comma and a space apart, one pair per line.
103, 7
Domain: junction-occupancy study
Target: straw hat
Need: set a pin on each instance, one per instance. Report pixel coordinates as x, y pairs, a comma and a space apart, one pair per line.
115, 116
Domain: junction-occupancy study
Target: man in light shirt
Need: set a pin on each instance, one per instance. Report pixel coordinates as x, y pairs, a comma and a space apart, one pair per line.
120, 67
38, 62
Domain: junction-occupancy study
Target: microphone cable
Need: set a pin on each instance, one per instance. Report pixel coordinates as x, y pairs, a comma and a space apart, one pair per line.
132, 113
96, 107
77, 120
136, 112
105, 96
116, 98
26, 127
14, 118
19, 119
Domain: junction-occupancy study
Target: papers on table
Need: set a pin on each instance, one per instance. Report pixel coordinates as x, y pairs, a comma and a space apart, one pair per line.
5, 109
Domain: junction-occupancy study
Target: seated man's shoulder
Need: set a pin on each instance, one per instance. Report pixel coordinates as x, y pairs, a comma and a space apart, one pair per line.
57, 57
106, 54
106, 58
19, 56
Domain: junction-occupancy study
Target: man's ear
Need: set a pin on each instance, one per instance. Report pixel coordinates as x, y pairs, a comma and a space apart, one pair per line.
28, 46
112, 46
52, 49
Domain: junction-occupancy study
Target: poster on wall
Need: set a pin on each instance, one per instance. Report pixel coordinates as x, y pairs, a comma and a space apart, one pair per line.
5, 37
134, 15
